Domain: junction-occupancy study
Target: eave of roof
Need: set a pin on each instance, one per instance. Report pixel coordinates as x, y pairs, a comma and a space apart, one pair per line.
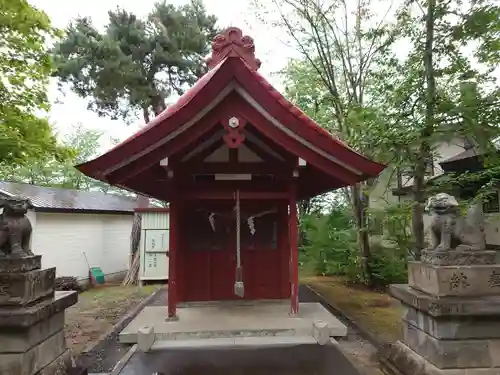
232, 68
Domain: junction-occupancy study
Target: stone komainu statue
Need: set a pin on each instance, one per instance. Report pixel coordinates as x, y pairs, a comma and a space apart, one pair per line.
451, 231
15, 227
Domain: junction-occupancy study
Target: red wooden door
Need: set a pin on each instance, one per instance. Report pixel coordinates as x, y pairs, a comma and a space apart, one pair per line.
208, 262
209, 251
262, 250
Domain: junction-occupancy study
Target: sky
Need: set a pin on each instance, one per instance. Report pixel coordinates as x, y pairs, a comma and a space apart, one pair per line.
68, 108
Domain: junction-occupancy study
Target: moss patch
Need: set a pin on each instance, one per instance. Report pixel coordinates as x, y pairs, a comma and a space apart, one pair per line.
98, 310
375, 312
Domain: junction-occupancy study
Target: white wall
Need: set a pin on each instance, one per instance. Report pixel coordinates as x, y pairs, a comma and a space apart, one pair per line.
63, 238
443, 151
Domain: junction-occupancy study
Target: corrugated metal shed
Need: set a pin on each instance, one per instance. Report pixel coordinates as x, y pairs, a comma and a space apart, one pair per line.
58, 199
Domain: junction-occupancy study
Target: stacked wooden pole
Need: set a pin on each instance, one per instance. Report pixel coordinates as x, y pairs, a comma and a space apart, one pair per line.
132, 276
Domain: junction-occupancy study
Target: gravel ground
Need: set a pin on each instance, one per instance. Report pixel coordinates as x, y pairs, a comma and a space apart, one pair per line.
358, 350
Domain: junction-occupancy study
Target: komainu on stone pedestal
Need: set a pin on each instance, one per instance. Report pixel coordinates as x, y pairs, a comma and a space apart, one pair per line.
15, 227
456, 239
451, 320
451, 231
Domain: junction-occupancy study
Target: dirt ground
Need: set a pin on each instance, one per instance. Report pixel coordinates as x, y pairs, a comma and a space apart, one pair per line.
97, 311
375, 312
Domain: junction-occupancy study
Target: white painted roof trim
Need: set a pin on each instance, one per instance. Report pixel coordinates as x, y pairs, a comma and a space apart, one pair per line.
250, 100
7, 193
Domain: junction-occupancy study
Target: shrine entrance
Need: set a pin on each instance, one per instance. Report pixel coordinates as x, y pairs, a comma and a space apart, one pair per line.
232, 135
209, 250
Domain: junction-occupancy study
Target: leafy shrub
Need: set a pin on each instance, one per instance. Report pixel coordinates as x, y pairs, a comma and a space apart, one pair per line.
388, 265
330, 247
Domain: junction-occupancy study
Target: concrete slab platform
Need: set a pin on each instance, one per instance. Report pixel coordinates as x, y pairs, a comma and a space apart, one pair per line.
228, 321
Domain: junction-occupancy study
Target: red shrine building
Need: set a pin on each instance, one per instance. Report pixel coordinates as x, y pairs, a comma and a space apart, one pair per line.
232, 157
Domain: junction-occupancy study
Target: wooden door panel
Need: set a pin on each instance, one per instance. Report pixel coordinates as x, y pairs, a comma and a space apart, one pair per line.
209, 252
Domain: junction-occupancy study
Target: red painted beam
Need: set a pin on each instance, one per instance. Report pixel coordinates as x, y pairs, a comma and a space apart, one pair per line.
172, 260
265, 156
294, 252
202, 128
283, 140
279, 169
177, 157
229, 195
252, 131
202, 155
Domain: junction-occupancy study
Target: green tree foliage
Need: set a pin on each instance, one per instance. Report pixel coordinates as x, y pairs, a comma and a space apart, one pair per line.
25, 67
438, 91
338, 45
49, 171
136, 64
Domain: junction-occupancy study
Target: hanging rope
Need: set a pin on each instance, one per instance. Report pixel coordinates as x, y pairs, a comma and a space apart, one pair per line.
239, 288
238, 230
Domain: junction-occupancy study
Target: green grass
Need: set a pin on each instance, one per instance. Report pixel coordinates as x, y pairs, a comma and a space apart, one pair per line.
375, 312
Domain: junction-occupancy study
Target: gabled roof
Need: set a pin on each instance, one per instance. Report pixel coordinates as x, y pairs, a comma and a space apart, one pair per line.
233, 70
58, 199
466, 154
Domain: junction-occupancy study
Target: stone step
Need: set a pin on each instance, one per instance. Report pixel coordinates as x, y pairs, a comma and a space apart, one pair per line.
223, 334
234, 342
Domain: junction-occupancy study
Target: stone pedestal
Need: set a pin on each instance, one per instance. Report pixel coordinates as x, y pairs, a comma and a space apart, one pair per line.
32, 319
451, 320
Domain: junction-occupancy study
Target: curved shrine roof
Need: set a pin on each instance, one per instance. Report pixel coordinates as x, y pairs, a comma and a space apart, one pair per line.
233, 68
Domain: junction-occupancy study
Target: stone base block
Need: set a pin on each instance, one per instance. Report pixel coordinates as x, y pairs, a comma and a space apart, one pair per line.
18, 265
443, 281
34, 360
145, 338
453, 328
446, 306
20, 289
458, 258
452, 354
20, 340
27, 316
408, 362
321, 332
62, 365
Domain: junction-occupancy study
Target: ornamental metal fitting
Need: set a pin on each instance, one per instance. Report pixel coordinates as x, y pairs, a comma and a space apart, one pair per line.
234, 122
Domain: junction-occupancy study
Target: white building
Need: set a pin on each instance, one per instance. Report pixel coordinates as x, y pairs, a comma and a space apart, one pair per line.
74, 229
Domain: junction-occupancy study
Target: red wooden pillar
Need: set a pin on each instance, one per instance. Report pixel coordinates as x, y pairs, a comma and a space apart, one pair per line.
172, 264
294, 251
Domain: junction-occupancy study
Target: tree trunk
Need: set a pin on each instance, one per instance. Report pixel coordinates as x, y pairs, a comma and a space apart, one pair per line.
424, 151
158, 104
360, 208
304, 209
145, 114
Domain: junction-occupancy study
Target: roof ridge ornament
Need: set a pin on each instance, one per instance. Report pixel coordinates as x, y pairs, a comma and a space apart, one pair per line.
231, 42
